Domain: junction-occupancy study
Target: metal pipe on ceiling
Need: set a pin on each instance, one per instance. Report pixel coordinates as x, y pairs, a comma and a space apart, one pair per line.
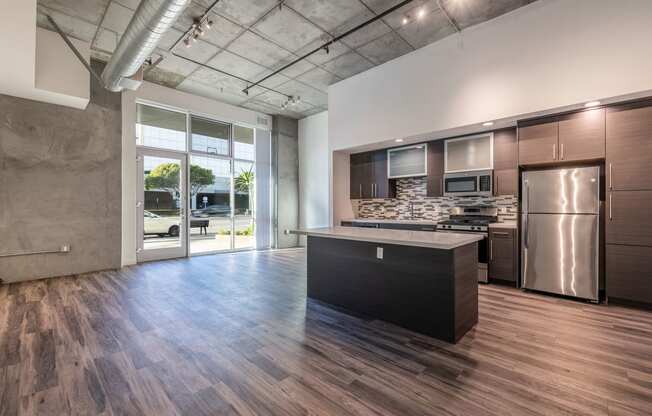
148, 25
330, 42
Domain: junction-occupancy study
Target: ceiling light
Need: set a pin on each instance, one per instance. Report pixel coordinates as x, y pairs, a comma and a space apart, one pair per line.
398, 140
592, 104
421, 13
187, 42
405, 20
194, 38
488, 123
209, 24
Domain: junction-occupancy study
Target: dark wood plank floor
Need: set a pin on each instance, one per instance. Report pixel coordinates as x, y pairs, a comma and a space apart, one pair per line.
233, 335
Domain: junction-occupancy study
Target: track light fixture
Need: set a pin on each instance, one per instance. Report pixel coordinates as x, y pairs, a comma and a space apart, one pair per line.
291, 101
198, 28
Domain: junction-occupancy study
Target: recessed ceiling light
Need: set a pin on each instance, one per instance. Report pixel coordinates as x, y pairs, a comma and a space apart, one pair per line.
421, 13
398, 140
592, 104
405, 21
488, 123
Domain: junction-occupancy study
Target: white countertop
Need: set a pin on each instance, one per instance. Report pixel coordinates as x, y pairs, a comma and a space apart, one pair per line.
389, 221
429, 239
506, 224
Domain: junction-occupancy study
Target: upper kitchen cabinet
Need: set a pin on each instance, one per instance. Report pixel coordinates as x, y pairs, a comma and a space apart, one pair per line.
435, 183
368, 176
361, 176
408, 161
381, 186
537, 144
582, 136
566, 138
505, 162
629, 148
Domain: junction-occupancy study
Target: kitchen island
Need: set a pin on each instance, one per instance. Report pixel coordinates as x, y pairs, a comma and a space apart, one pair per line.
422, 281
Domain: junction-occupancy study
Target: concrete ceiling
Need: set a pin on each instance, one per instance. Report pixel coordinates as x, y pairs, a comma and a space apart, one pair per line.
252, 38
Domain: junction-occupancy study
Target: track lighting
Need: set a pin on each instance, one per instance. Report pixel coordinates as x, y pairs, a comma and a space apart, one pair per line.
197, 29
291, 101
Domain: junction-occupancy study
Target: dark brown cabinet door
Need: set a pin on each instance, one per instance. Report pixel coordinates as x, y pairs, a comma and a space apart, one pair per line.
629, 149
360, 183
538, 144
435, 179
505, 149
505, 162
506, 182
628, 273
628, 218
379, 182
582, 136
502, 254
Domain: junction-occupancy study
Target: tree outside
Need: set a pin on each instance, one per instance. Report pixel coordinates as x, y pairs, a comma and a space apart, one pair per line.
244, 182
166, 176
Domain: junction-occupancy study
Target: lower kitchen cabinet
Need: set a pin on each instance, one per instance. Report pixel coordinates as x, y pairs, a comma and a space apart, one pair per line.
503, 254
628, 218
628, 273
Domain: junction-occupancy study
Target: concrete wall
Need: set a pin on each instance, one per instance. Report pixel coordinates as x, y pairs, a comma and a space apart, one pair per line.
314, 183
285, 171
549, 55
60, 184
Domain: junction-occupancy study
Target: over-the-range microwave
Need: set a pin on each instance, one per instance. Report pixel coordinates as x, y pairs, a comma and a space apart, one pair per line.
471, 183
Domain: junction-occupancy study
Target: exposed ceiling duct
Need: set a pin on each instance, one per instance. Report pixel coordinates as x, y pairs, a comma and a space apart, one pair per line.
150, 22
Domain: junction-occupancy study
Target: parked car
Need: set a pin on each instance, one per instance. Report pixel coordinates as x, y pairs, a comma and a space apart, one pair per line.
212, 211
155, 224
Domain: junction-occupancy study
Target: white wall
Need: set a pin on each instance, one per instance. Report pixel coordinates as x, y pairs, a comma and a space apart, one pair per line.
314, 181
552, 54
183, 101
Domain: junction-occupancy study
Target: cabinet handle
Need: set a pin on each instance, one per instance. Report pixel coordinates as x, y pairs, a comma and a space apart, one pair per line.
611, 204
504, 234
611, 186
561, 151
554, 151
360, 190
375, 191
491, 249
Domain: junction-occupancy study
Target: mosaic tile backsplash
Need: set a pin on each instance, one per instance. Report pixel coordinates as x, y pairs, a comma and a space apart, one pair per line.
434, 209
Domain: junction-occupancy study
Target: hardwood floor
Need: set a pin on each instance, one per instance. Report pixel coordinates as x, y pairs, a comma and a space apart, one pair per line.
233, 335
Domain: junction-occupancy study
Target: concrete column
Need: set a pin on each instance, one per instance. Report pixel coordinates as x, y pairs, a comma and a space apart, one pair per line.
285, 177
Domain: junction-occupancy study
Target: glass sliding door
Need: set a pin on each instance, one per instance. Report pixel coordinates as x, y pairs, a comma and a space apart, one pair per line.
243, 206
161, 204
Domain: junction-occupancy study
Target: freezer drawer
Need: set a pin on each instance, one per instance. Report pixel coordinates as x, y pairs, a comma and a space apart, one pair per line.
562, 191
560, 254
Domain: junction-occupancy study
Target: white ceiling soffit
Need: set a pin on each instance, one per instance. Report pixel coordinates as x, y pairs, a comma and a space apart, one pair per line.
37, 64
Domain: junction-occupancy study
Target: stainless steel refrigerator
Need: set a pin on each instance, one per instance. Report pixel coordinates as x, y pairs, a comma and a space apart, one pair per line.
560, 236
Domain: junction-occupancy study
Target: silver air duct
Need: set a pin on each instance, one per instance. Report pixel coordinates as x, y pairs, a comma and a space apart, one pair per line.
150, 22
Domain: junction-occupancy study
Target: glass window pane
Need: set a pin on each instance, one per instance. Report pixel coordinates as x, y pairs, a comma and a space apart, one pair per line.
243, 204
156, 127
210, 136
162, 215
243, 143
210, 204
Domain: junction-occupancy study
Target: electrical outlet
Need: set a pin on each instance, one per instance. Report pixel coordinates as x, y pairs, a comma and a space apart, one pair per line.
379, 253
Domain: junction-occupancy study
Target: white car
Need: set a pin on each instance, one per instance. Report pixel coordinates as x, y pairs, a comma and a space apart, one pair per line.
155, 224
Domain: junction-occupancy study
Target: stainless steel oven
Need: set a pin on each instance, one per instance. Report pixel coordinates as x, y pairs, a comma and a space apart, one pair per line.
473, 183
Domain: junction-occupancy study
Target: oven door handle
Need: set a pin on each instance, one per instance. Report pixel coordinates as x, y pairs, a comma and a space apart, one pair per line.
464, 232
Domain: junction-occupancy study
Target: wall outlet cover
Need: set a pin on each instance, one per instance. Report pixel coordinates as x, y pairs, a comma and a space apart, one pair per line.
379, 253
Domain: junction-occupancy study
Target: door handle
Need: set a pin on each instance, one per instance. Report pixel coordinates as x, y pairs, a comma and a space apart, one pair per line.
491, 249
554, 151
611, 204
561, 151
611, 186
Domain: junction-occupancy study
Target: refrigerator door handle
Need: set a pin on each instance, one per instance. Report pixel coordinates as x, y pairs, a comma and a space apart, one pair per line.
525, 224
610, 205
